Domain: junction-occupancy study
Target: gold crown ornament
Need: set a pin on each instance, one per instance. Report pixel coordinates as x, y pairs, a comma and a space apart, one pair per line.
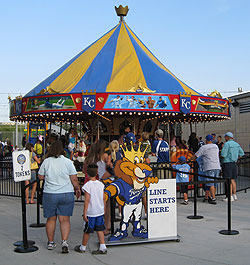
121, 11
90, 92
184, 94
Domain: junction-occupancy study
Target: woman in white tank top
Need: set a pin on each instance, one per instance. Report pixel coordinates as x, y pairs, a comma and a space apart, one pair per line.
101, 168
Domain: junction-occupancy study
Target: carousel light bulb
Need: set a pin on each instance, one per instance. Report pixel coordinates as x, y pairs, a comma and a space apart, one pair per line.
130, 113
112, 113
89, 113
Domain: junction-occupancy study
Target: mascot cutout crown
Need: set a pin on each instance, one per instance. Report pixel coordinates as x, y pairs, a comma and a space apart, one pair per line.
132, 181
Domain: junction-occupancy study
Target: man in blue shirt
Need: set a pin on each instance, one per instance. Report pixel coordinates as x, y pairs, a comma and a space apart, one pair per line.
160, 148
230, 154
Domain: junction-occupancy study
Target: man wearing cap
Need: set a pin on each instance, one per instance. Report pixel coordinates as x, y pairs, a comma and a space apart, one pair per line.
211, 164
230, 153
160, 149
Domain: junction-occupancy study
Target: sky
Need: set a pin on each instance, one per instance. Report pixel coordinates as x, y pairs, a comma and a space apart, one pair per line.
205, 43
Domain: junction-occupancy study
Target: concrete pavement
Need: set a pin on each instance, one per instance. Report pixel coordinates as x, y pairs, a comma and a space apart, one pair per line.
200, 241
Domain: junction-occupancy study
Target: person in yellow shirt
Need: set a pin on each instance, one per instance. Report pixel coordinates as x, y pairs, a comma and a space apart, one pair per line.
38, 148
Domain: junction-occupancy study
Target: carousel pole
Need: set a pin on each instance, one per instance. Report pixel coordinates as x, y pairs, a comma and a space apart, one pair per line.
191, 129
16, 133
168, 131
60, 129
98, 130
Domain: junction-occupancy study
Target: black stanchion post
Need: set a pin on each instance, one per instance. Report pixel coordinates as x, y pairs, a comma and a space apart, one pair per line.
112, 214
195, 216
38, 224
24, 246
229, 231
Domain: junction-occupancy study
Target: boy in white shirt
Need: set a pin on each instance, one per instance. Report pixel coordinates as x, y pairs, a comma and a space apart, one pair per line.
93, 213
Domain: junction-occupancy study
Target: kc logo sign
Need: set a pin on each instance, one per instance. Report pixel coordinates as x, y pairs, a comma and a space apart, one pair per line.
185, 103
88, 103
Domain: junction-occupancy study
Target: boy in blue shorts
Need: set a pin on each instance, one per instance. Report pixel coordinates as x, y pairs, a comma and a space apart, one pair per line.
93, 212
182, 165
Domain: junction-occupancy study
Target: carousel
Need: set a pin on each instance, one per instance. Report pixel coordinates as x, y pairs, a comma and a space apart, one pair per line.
115, 80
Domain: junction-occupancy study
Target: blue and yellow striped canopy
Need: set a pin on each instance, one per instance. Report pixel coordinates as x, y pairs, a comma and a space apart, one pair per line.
117, 62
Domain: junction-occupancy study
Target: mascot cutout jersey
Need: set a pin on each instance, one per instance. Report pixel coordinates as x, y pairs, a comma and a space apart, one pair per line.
133, 179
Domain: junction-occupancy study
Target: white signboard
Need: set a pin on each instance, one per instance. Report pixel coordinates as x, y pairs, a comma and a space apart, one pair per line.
162, 215
21, 165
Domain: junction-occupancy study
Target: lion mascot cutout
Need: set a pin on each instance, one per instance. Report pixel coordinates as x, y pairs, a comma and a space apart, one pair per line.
132, 180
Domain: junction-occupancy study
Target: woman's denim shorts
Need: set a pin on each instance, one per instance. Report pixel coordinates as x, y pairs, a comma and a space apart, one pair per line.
58, 204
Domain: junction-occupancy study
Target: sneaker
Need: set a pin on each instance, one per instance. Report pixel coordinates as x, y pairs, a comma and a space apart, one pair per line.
232, 199
78, 249
212, 201
235, 197
51, 245
65, 247
98, 251
118, 235
184, 202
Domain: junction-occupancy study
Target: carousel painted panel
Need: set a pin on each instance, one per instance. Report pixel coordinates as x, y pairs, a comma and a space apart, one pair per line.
210, 105
134, 102
52, 103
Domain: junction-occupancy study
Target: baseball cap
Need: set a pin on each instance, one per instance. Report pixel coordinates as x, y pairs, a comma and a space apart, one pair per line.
209, 137
229, 134
130, 137
182, 158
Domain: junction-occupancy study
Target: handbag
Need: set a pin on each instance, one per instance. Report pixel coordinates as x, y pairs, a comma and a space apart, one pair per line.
33, 165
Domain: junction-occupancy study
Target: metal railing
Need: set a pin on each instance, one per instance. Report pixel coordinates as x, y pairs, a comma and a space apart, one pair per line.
9, 188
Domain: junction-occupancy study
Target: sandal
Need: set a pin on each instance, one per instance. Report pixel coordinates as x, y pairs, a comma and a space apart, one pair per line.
32, 202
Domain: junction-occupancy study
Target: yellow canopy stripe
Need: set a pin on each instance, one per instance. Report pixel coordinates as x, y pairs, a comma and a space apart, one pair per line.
126, 72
